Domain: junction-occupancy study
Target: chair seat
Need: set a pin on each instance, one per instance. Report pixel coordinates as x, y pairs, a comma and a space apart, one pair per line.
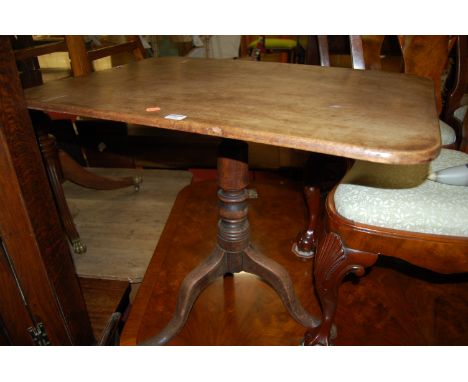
460, 113
401, 198
275, 43
447, 133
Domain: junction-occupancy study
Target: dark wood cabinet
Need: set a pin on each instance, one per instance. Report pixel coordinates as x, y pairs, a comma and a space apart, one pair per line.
40, 290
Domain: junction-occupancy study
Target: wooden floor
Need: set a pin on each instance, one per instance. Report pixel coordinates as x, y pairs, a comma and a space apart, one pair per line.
395, 304
121, 227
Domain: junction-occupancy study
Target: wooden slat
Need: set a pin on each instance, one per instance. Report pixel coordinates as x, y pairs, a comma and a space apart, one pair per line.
370, 115
96, 54
36, 51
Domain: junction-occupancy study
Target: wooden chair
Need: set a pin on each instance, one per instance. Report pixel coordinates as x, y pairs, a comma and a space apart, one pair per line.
417, 52
81, 58
60, 165
394, 211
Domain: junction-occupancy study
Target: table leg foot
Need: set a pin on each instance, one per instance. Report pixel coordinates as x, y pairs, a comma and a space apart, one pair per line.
194, 283
77, 174
306, 242
273, 273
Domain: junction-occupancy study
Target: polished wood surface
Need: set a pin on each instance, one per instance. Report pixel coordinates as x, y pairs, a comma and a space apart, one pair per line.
394, 304
438, 253
371, 47
183, 246
103, 298
233, 252
349, 248
376, 116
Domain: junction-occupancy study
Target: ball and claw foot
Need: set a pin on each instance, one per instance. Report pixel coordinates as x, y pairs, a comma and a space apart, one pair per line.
137, 180
78, 246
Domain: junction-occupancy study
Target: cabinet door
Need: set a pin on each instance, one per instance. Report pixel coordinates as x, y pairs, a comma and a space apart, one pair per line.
36, 267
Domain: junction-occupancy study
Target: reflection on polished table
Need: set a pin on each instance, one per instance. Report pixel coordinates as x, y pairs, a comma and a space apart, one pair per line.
374, 116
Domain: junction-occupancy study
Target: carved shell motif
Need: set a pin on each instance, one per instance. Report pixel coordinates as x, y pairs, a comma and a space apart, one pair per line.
332, 264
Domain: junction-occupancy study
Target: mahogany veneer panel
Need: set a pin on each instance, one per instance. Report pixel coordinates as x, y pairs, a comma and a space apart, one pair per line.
370, 115
104, 297
390, 306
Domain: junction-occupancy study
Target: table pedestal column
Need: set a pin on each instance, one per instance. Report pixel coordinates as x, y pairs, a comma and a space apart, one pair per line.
233, 252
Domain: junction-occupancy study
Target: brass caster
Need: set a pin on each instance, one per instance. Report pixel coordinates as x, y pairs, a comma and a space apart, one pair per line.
78, 246
303, 254
137, 180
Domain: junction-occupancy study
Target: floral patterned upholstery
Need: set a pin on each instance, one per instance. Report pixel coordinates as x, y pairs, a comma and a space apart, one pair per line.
460, 113
400, 197
447, 133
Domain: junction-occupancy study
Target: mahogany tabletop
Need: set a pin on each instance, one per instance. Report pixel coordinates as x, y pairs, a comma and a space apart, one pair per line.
370, 115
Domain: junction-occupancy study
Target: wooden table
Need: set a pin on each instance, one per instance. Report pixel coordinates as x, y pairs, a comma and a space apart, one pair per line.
375, 116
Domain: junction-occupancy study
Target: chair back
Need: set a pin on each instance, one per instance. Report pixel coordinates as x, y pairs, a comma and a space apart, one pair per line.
427, 56
458, 83
424, 56
81, 58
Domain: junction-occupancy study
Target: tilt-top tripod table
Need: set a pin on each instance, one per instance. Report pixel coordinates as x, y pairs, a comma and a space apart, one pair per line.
234, 252
375, 116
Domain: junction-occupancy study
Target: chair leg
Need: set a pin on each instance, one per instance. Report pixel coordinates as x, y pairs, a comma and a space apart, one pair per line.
332, 263
306, 242
75, 173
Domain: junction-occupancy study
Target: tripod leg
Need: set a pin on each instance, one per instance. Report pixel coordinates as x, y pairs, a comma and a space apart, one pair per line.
77, 174
279, 279
194, 283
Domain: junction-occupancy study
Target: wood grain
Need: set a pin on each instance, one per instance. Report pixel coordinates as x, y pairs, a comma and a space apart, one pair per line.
242, 309
104, 297
438, 253
29, 223
395, 304
376, 116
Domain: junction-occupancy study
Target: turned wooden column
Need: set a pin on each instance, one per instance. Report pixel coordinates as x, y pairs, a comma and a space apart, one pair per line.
233, 178
233, 252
